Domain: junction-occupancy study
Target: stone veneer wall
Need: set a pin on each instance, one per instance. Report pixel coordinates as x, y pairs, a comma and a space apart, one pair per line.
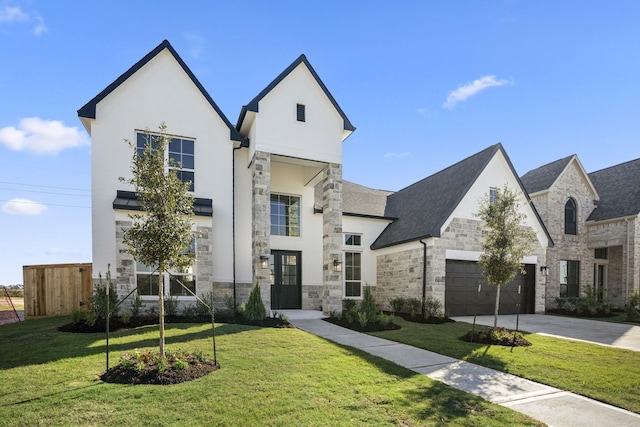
332, 238
312, 297
261, 222
400, 273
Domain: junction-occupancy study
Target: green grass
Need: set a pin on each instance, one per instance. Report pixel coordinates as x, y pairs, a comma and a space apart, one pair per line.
267, 377
607, 374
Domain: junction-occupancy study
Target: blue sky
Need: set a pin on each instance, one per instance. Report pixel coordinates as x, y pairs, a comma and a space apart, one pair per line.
426, 83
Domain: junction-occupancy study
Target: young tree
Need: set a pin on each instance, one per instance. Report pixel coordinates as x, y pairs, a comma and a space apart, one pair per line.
507, 240
161, 232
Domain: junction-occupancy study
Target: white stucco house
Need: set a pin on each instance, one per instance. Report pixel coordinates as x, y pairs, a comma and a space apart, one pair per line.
271, 206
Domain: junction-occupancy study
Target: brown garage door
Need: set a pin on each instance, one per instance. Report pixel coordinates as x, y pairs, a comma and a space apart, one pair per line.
462, 297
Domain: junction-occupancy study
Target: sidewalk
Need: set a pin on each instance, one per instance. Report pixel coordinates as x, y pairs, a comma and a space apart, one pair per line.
547, 404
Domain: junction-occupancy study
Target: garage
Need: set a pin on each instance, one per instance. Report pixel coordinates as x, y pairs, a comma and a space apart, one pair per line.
461, 291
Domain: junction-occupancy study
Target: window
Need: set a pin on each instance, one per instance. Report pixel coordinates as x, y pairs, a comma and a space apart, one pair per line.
353, 274
285, 215
352, 239
570, 217
601, 253
493, 193
180, 156
147, 279
569, 278
300, 113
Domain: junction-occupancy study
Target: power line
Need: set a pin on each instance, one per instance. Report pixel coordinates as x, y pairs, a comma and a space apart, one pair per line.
46, 192
43, 186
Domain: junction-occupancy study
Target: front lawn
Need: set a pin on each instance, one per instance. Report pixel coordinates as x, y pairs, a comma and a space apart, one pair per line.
607, 374
267, 377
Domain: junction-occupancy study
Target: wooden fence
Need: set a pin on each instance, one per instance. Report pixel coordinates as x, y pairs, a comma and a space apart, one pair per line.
55, 289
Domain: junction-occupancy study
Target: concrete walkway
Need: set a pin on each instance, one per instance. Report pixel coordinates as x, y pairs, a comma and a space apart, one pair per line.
547, 404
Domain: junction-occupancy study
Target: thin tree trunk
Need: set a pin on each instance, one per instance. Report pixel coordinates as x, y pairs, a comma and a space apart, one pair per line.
497, 308
161, 310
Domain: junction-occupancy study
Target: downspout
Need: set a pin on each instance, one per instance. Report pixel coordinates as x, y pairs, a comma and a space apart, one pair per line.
424, 276
626, 296
233, 217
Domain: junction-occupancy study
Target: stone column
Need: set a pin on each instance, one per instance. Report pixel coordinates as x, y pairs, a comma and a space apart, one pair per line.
332, 238
261, 222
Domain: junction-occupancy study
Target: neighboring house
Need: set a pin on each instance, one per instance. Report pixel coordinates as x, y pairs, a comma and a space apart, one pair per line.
271, 207
593, 221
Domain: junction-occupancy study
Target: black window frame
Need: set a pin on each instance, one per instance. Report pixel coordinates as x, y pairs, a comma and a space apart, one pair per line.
571, 217
301, 113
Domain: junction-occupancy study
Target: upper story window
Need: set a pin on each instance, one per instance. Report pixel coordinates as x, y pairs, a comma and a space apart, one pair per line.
601, 253
493, 193
180, 155
285, 215
300, 113
352, 239
570, 217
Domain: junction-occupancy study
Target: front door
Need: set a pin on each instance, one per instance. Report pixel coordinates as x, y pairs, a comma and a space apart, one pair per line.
286, 280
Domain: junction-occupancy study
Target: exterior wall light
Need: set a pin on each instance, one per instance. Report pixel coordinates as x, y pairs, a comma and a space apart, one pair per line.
264, 262
337, 266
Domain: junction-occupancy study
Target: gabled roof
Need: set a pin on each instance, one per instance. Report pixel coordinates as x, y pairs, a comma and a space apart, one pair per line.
542, 178
358, 200
302, 59
89, 109
424, 207
619, 190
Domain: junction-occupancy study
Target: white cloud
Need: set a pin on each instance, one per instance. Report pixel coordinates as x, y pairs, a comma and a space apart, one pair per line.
42, 136
14, 14
23, 207
465, 91
11, 14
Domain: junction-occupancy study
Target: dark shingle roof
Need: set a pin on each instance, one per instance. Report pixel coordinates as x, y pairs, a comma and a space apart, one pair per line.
302, 59
542, 178
89, 109
358, 200
619, 190
423, 207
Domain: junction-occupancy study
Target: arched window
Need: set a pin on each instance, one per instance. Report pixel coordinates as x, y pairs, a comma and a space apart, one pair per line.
570, 217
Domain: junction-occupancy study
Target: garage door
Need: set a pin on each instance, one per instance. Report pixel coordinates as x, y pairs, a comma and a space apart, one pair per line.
462, 297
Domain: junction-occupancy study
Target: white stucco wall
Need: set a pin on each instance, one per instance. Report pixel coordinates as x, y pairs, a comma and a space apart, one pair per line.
159, 92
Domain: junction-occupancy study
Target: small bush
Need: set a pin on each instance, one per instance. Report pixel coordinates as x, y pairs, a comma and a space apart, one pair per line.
414, 306
398, 305
136, 306
201, 308
283, 317
349, 316
363, 318
632, 307
125, 316
189, 311
385, 319
368, 304
254, 309
348, 304
170, 305
432, 308
99, 299
232, 305
77, 315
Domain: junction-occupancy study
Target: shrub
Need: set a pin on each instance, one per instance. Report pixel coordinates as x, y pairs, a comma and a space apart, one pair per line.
170, 306
202, 309
432, 308
254, 309
125, 316
632, 307
398, 305
349, 316
99, 299
77, 315
368, 305
588, 303
189, 310
136, 306
232, 305
363, 318
348, 304
414, 306
283, 317
385, 319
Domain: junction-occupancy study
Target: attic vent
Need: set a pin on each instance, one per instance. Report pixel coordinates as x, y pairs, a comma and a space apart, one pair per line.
300, 113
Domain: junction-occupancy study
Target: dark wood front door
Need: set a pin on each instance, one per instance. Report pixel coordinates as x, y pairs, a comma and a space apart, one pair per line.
286, 280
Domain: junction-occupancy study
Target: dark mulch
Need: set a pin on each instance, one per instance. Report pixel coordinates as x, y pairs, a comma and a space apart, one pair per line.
573, 313
116, 324
122, 375
369, 327
502, 337
421, 319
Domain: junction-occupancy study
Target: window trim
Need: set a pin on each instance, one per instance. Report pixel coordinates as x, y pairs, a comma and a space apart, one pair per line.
493, 194
179, 168
287, 226
571, 224
354, 236
345, 270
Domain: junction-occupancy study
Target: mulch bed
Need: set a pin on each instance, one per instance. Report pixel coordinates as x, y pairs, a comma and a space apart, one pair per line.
120, 375
369, 327
568, 313
421, 319
505, 338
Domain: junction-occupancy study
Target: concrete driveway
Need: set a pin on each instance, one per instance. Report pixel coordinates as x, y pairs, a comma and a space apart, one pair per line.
605, 333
